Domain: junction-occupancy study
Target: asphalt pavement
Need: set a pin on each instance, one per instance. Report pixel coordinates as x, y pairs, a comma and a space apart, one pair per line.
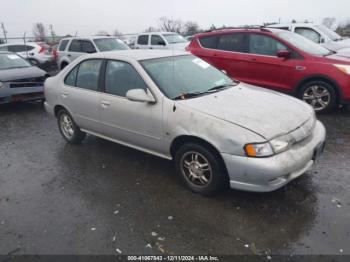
104, 198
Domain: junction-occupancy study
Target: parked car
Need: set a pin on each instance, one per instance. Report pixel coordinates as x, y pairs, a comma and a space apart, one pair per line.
37, 53
280, 60
73, 47
161, 40
319, 34
174, 105
19, 80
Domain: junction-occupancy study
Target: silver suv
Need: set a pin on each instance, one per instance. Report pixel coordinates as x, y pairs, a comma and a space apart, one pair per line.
71, 48
219, 132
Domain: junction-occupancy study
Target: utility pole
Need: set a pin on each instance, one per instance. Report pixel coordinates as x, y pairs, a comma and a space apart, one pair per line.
52, 32
4, 30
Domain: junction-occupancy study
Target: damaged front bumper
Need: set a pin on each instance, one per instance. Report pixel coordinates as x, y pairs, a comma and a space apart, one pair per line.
9, 95
271, 173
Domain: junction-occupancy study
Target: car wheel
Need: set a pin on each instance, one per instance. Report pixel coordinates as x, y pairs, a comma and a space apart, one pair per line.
34, 62
201, 169
63, 65
69, 130
320, 95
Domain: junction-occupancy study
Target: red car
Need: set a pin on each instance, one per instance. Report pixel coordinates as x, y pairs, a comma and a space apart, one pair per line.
279, 60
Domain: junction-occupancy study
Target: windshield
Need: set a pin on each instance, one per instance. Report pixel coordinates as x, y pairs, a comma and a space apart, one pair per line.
9, 61
110, 44
186, 74
174, 38
303, 43
328, 32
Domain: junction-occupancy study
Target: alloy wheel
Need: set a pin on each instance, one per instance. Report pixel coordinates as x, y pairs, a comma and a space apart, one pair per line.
66, 124
317, 96
196, 168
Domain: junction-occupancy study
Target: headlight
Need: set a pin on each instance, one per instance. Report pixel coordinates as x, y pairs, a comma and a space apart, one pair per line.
344, 68
279, 144
259, 150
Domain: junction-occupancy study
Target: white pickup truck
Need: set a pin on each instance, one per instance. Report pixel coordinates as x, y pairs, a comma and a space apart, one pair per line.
319, 34
161, 40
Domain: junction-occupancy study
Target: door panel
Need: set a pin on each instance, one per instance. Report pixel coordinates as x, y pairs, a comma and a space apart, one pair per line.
135, 123
265, 68
80, 94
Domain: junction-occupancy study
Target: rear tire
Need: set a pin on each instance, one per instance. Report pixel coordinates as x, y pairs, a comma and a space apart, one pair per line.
200, 169
63, 65
320, 95
34, 62
68, 129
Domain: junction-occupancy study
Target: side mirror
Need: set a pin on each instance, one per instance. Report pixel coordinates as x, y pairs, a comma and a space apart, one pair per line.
322, 40
162, 43
91, 51
284, 54
139, 95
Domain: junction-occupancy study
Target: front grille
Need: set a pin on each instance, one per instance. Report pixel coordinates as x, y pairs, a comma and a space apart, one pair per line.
27, 82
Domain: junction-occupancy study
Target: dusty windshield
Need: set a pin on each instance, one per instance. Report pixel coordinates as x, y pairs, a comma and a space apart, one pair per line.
181, 75
10, 61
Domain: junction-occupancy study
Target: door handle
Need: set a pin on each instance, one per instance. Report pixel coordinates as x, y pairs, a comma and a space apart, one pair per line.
151, 48
105, 104
64, 95
69, 55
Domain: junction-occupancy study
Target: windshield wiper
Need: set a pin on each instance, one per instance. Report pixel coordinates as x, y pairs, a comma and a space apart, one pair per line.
184, 96
211, 90
220, 87
330, 53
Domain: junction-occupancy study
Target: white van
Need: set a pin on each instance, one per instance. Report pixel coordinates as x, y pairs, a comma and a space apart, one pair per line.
319, 34
161, 40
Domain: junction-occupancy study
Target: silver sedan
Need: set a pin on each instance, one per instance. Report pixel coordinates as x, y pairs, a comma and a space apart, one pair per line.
218, 131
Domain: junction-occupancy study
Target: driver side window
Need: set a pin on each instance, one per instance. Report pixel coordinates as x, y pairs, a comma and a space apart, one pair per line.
264, 45
122, 77
309, 34
157, 40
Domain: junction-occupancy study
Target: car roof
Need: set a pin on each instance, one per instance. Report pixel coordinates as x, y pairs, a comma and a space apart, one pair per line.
239, 30
160, 32
20, 43
289, 24
138, 55
88, 37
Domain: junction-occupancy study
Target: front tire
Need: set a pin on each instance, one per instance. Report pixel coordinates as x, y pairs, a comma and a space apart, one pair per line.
320, 95
200, 169
68, 129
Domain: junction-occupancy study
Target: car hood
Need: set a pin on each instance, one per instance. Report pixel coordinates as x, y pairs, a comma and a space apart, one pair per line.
20, 73
337, 45
265, 112
179, 46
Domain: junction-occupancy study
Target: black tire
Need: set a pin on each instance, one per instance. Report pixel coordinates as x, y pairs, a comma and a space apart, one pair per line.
218, 179
63, 65
332, 102
77, 135
34, 62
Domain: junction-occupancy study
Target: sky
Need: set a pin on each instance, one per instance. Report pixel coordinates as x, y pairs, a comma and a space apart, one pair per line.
87, 17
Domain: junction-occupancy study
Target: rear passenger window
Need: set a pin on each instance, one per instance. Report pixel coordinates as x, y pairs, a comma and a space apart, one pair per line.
264, 45
63, 45
87, 47
142, 40
75, 46
209, 41
88, 74
71, 77
17, 48
122, 77
232, 42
